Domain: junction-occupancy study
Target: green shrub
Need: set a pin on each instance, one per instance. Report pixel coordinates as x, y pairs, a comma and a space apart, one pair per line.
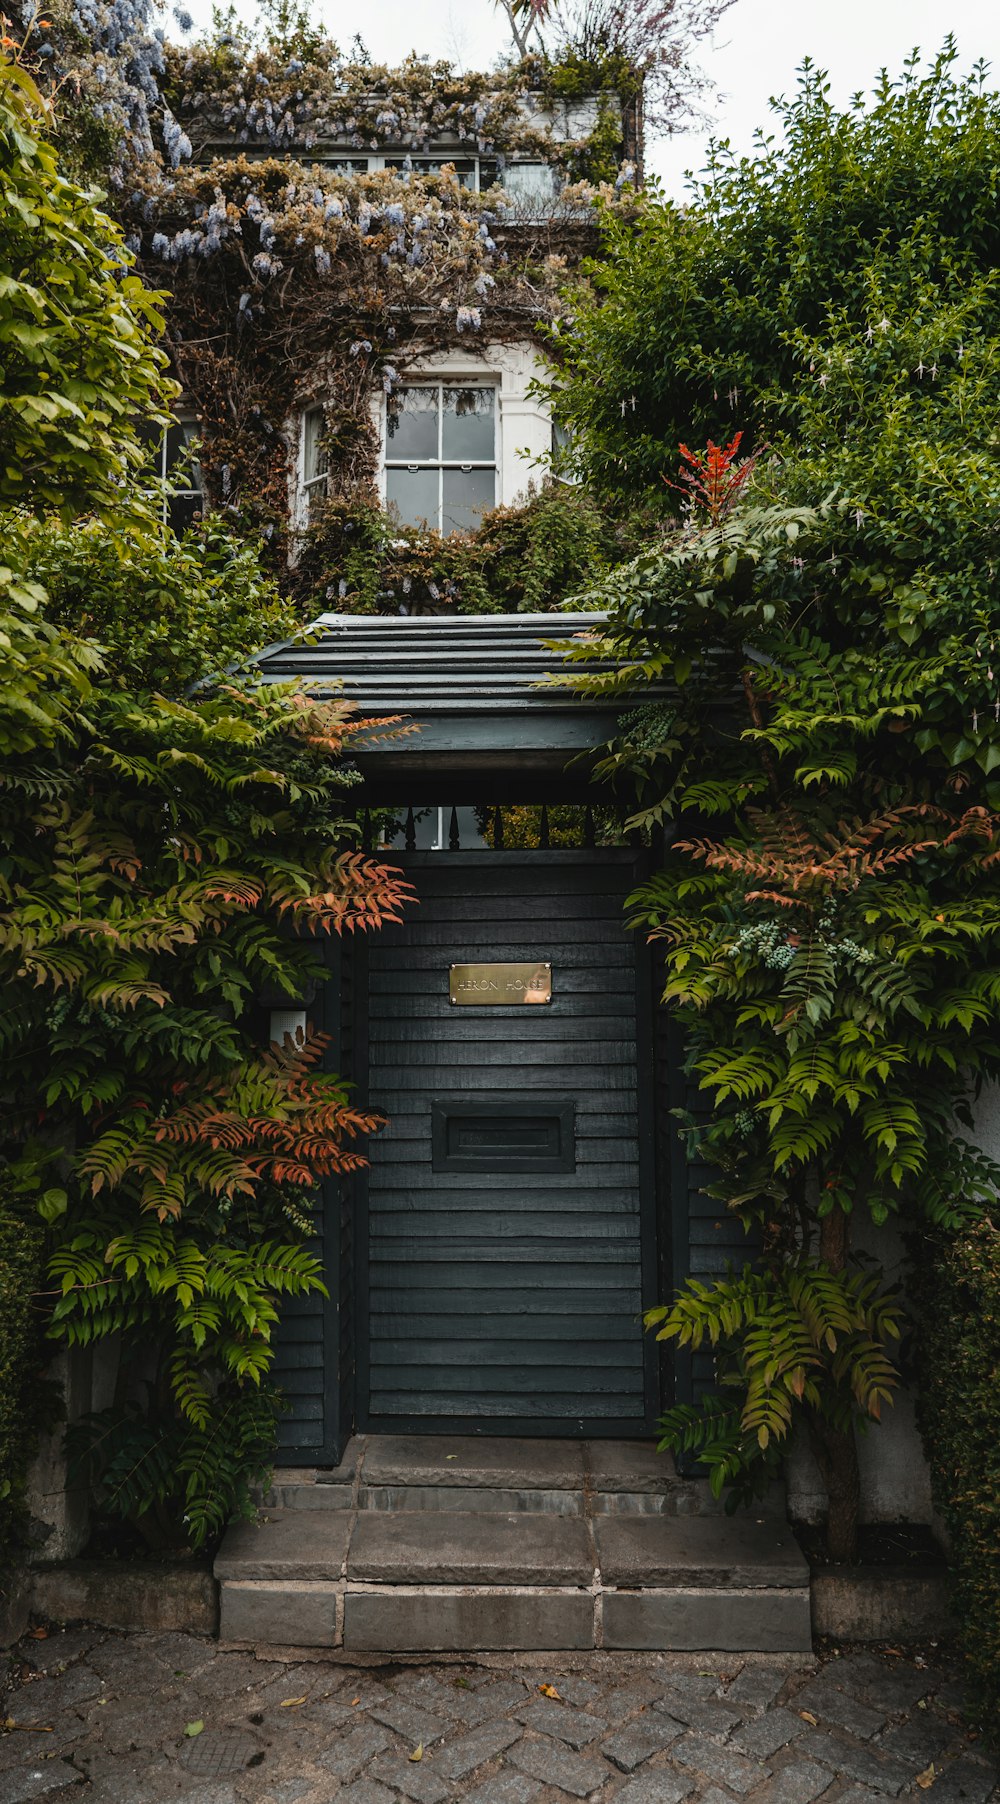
959, 1352
522, 559
20, 1268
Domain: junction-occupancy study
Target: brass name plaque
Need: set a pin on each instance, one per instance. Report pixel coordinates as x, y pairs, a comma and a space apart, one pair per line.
479, 984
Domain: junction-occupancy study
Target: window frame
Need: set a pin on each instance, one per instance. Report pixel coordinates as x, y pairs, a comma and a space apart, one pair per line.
190, 426
319, 482
446, 380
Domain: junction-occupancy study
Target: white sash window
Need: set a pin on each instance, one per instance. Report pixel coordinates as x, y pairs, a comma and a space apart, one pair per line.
441, 454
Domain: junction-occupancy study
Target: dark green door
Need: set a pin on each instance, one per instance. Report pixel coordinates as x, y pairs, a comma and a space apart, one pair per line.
509, 1234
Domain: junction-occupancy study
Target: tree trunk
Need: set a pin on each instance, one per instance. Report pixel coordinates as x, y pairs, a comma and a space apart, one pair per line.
837, 1457
836, 1449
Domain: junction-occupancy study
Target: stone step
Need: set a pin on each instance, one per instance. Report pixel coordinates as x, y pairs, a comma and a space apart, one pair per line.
464, 1581
503, 1474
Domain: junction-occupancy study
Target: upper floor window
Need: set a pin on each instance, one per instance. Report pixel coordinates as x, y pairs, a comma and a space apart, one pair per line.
466, 168
441, 455
315, 462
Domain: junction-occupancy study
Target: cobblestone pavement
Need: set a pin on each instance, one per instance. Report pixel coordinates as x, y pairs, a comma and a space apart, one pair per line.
136, 1719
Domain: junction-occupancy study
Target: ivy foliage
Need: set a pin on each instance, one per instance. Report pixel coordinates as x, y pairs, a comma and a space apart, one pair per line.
165, 864
821, 619
295, 283
21, 1260
958, 1351
527, 558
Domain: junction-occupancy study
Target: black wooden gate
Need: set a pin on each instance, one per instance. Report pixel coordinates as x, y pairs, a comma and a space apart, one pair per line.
509, 1244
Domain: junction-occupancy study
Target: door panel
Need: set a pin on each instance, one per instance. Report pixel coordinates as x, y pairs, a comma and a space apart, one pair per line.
509, 1234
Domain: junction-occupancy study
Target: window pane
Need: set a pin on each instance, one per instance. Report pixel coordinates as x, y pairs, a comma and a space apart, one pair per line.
469, 435
529, 182
313, 449
413, 494
465, 170
412, 425
183, 471
467, 496
183, 509
563, 458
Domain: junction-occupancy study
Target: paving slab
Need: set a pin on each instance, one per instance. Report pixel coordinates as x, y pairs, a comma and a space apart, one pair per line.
722, 1764
575, 1727
635, 1744
766, 1734
505, 1788
826, 1699
414, 1778
965, 1781
625, 1700
286, 1544
445, 1459
900, 1684
658, 1788
696, 1550
466, 1753
578, 1774
706, 1714
431, 1549
925, 1738
365, 1791
577, 1690
354, 1753
851, 1759
797, 1783
409, 1721
756, 1687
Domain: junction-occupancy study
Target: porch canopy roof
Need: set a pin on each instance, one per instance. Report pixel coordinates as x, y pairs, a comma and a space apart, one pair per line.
470, 684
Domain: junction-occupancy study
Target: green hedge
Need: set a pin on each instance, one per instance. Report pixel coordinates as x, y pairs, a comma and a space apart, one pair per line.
21, 1245
958, 1349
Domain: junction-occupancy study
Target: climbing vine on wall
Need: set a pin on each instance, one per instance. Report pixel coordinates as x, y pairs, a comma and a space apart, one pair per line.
292, 283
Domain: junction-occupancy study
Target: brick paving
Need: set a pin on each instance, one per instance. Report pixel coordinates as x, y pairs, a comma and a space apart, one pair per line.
101, 1718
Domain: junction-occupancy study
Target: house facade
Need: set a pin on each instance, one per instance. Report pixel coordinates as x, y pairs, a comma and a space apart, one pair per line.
367, 272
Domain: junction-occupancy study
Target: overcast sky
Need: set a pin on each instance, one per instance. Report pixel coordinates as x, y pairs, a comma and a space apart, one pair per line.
759, 45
